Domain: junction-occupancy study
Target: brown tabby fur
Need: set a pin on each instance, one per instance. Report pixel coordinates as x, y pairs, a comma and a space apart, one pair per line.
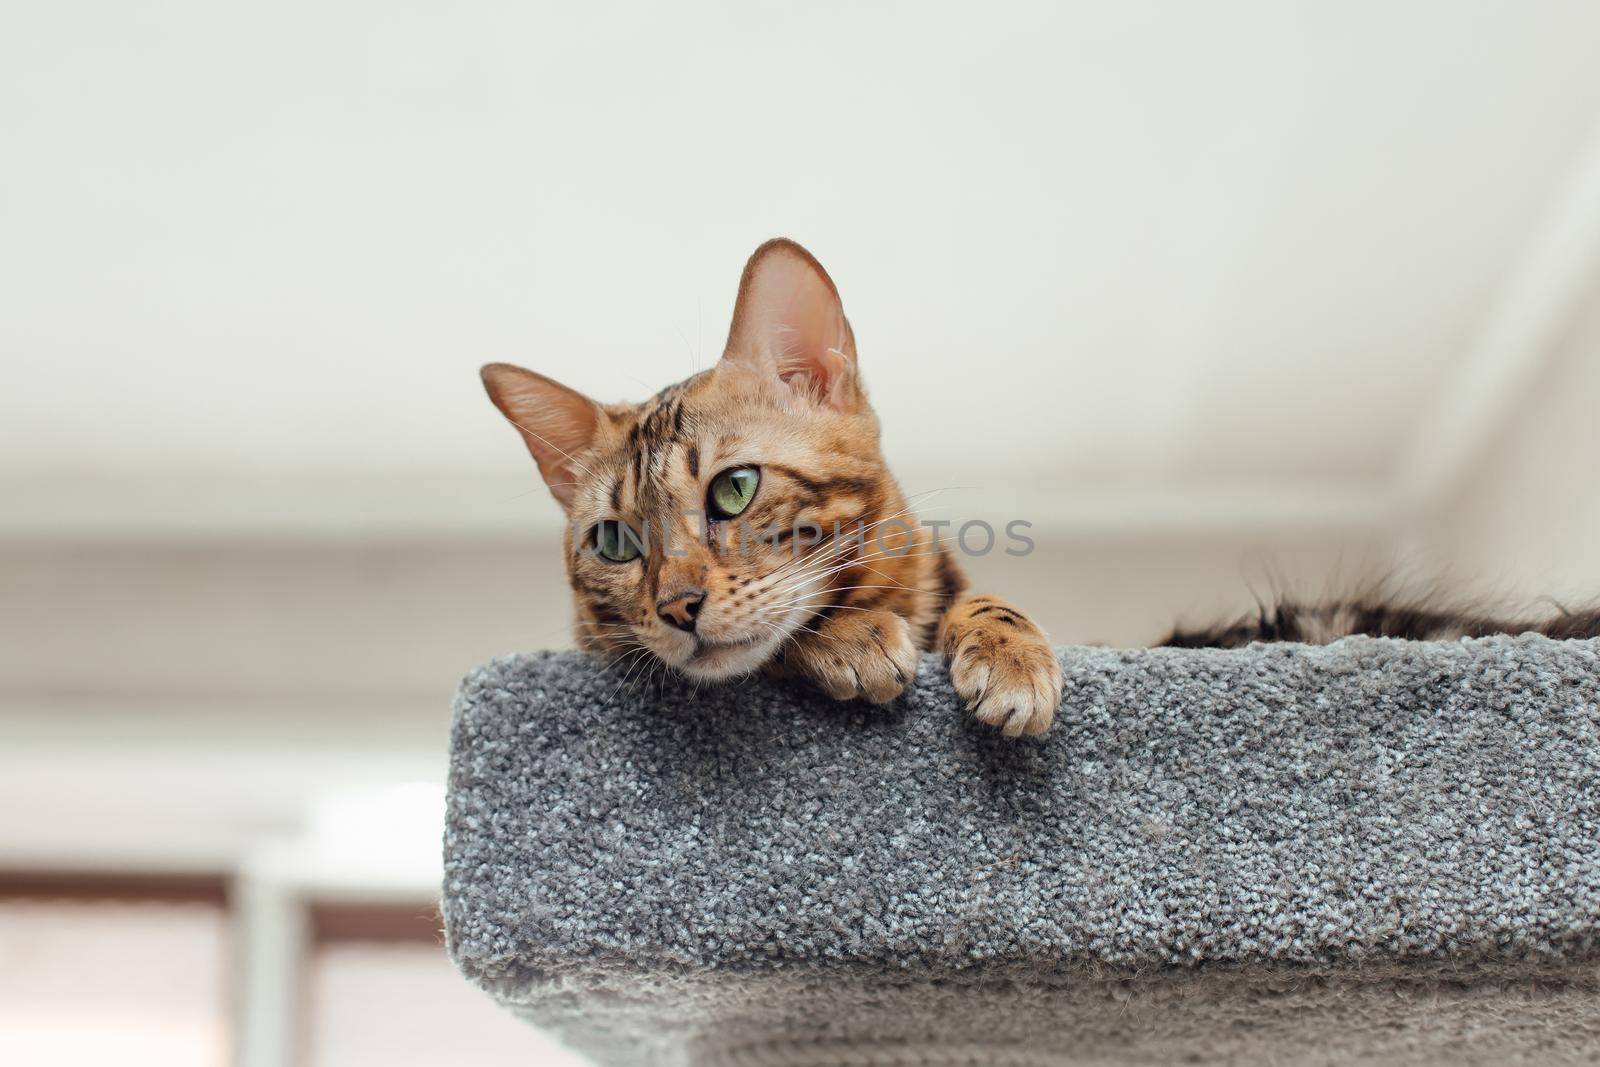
847, 616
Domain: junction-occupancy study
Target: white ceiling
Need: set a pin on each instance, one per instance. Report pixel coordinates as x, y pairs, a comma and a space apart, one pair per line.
1088, 245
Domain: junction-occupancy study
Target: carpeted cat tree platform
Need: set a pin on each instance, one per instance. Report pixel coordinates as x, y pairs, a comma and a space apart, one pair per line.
1376, 851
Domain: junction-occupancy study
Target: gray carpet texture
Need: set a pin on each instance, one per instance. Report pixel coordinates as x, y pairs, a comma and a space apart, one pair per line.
1373, 851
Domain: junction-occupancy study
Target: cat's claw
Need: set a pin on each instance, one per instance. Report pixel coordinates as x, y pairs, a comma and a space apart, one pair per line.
1014, 685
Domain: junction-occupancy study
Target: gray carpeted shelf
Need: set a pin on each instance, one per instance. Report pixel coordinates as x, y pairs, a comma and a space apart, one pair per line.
1376, 849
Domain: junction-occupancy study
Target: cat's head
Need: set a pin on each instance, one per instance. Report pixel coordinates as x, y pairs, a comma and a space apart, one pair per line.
693, 518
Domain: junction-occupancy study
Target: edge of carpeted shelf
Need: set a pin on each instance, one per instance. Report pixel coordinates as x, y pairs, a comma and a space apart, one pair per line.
1375, 848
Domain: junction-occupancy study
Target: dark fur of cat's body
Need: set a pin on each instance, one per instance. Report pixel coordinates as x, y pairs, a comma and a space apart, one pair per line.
1325, 622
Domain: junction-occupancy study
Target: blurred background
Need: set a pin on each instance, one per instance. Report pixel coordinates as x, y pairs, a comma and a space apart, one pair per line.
1224, 299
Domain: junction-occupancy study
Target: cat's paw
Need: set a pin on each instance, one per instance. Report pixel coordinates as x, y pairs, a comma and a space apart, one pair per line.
1009, 680
867, 656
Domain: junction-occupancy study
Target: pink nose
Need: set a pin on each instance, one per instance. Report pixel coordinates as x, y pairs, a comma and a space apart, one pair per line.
682, 610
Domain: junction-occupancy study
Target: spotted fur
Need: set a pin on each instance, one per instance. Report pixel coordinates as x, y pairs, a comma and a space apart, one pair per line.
826, 577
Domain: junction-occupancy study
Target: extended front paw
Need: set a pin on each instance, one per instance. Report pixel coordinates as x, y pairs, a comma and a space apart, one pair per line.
1009, 680
868, 656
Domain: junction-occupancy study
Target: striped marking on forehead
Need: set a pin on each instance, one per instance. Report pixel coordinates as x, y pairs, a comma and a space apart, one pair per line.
659, 438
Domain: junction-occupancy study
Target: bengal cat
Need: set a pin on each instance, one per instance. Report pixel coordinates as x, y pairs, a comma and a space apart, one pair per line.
745, 521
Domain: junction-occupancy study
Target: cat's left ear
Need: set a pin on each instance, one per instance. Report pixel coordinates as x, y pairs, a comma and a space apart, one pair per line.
788, 319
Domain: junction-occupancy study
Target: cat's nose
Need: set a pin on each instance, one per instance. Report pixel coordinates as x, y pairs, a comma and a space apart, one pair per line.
683, 609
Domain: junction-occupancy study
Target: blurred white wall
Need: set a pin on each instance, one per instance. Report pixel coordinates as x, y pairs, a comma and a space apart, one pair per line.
69, 996
1198, 257
1525, 521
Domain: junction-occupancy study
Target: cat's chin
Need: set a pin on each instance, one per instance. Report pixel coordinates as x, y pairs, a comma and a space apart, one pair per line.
719, 662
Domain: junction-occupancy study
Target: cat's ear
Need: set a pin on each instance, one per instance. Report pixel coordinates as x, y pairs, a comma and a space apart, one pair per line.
788, 320
556, 423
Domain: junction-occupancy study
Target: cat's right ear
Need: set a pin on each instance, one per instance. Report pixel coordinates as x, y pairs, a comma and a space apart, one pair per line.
556, 423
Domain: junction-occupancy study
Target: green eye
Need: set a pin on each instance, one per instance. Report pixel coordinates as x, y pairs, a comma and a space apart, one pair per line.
732, 491
616, 541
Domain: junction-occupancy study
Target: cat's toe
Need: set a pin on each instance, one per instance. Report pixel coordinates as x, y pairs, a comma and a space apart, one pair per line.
1016, 711
1014, 686
884, 672
867, 659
